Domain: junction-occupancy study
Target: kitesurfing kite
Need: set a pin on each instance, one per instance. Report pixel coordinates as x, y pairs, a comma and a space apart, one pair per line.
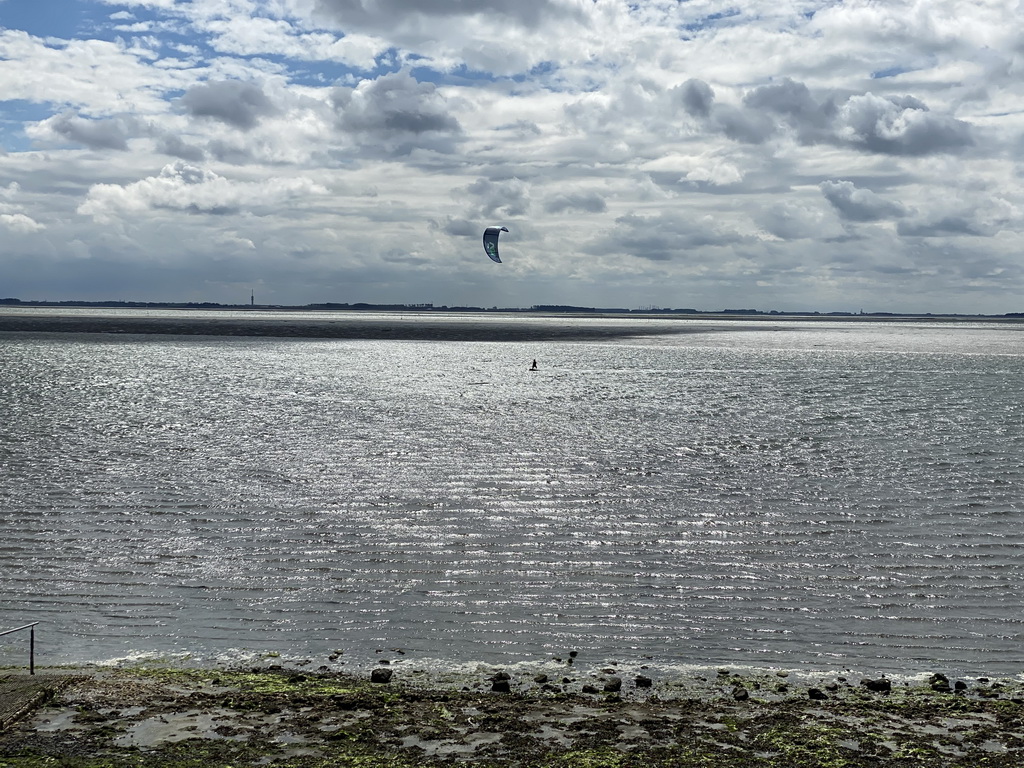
491, 242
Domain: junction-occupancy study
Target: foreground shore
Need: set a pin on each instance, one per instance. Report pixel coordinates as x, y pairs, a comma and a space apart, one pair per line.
179, 718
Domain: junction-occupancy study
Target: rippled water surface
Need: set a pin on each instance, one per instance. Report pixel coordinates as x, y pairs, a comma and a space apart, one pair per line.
811, 495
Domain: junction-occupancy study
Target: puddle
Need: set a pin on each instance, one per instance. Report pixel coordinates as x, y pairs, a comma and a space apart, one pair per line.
64, 720
191, 724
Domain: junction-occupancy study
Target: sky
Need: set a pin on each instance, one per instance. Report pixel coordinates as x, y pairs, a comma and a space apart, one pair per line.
791, 155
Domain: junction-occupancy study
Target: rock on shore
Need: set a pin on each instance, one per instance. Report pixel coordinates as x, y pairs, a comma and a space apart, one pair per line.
295, 720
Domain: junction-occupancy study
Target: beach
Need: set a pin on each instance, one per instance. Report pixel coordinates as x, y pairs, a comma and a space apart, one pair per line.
297, 718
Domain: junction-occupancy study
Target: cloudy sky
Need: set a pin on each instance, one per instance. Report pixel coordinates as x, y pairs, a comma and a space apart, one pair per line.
770, 154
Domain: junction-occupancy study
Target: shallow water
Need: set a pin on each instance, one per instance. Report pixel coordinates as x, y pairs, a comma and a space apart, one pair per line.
810, 495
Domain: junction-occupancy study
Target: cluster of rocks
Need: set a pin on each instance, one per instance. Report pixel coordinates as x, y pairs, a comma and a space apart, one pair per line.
610, 682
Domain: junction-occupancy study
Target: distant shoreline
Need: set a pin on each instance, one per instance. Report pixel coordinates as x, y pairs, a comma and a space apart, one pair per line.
406, 325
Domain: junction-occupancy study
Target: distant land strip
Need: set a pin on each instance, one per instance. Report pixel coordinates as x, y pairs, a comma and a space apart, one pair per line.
536, 308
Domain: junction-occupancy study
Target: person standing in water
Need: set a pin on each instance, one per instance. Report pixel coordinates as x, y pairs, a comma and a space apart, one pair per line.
534, 366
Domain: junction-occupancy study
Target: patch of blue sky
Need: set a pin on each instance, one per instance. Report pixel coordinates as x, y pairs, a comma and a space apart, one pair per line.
323, 73
111, 22
719, 19
54, 18
70, 19
15, 114
460, 75
889, 72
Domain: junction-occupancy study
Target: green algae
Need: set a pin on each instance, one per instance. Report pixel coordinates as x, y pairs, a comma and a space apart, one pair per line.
291, 719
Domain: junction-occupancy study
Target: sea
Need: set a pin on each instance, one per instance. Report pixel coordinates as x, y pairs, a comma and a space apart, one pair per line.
805, 495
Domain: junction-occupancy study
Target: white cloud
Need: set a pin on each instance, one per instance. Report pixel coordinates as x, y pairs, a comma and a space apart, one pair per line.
856, 204
19, 222
804, 151
793, 220
191, 189
95, 76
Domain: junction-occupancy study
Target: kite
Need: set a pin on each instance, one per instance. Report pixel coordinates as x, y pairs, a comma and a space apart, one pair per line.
491, 242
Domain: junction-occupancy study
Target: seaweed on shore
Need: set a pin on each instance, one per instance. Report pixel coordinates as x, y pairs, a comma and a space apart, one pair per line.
218, 718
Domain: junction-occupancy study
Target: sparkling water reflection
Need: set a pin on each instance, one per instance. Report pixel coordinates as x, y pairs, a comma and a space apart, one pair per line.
809, 496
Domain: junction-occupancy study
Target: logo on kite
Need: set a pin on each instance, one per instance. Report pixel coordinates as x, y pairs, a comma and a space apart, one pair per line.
491, 242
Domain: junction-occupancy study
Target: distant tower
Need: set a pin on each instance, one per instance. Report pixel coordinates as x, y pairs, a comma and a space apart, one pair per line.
252, 298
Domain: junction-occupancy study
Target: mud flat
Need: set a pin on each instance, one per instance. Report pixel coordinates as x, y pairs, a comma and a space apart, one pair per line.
342, 326
602, 718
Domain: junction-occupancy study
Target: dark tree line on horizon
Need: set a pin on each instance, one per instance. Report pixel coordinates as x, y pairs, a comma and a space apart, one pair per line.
428, 307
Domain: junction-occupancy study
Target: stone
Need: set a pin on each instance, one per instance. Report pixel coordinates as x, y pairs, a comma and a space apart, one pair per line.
642, 681
589, 689
881, 685
740, 693
501, 686
613, 685
816, 694
381, 675
540, 679
939, 683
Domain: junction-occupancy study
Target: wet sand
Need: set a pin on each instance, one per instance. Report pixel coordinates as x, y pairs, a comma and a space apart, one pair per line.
345, 325
300, 719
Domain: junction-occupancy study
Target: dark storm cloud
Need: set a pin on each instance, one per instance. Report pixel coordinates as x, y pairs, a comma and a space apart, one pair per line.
942, 226
855, 204
95, 134
234, 102
794, 105
397, 110
890, 125
743, 125
174, 146
900, 126
508, 197
228, 152
696, 97
587, 202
